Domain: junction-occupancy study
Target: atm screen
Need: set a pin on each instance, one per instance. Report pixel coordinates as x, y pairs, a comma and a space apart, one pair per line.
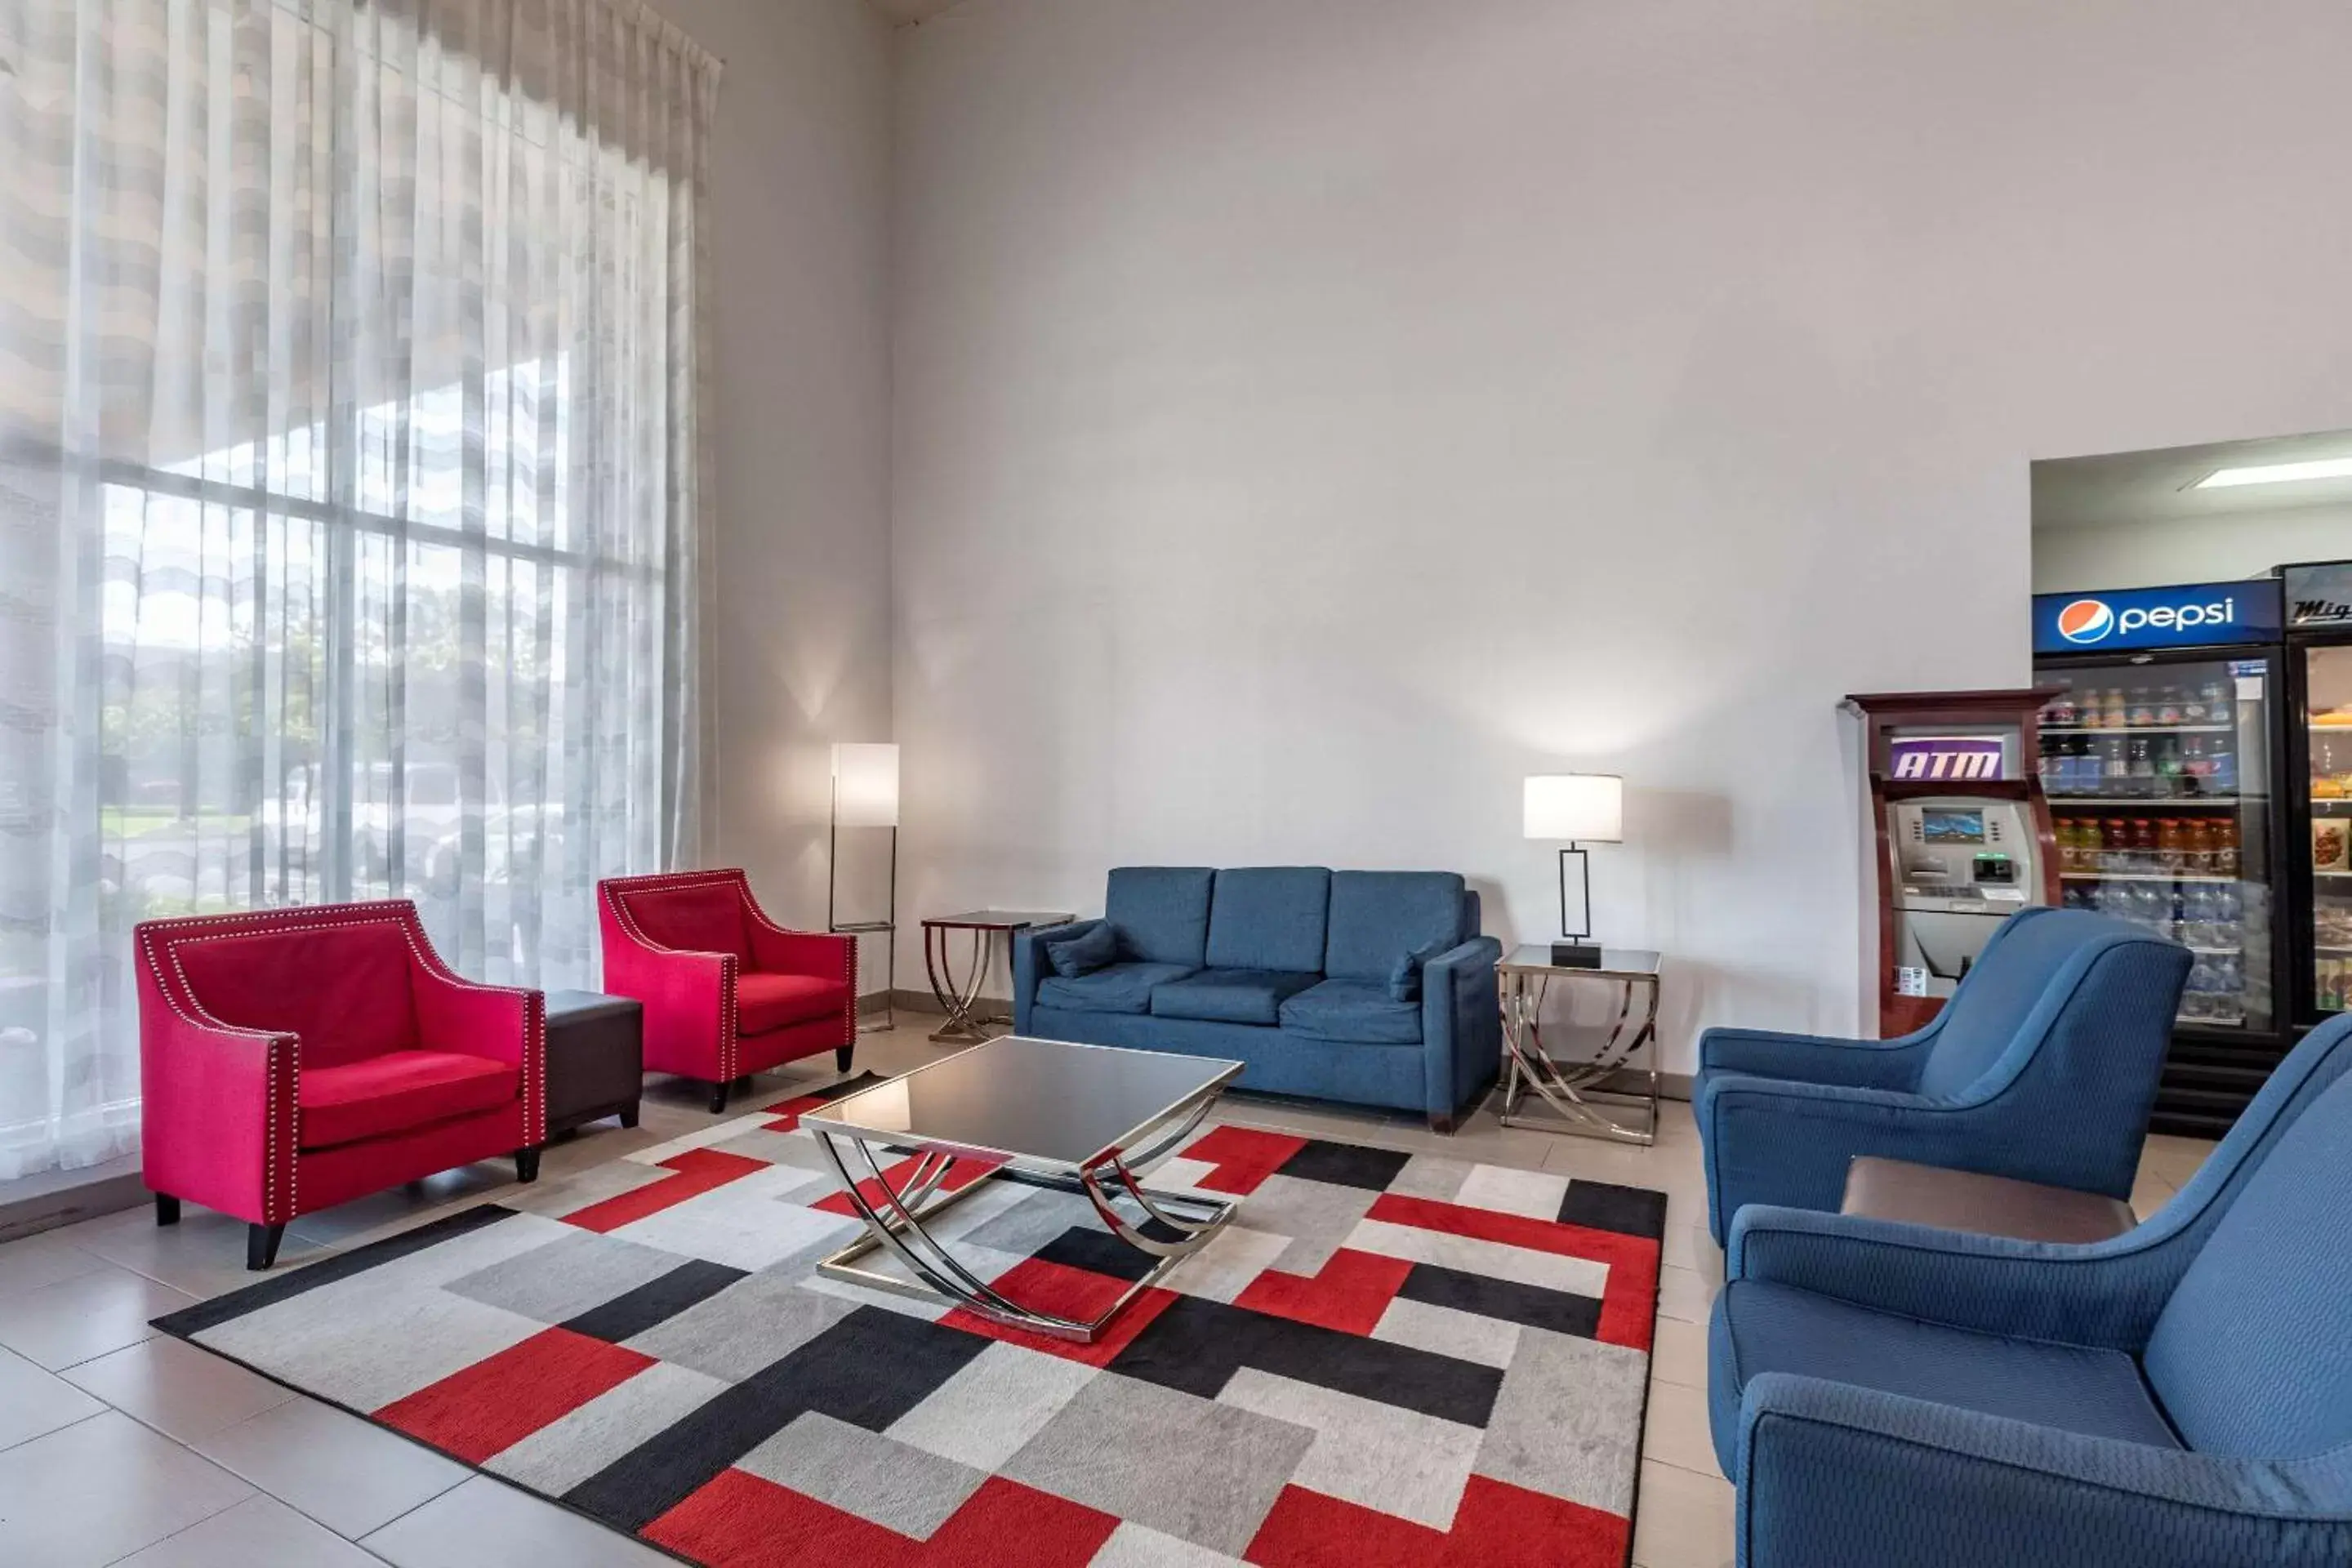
1949, 826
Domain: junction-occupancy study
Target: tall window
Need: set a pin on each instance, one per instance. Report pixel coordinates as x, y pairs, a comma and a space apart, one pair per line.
350, 471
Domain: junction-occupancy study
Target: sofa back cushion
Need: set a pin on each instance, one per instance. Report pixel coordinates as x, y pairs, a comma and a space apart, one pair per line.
1269, 917
2247, 1357
700, 917
1161, 912
342, 988
1380, 917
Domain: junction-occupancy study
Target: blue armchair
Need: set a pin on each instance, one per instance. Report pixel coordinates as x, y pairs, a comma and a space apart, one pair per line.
2043, 1067
1892, 1396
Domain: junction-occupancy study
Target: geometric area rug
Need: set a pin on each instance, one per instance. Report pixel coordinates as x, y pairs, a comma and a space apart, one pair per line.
1387, 1358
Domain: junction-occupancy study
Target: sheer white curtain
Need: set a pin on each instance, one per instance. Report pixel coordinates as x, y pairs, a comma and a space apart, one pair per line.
349, 467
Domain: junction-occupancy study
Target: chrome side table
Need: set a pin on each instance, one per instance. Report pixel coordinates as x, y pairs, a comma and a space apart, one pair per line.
1574, 1095
958, 997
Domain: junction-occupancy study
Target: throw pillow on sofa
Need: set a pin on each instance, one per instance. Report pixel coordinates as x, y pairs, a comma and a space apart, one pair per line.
1083, 954
1404, 979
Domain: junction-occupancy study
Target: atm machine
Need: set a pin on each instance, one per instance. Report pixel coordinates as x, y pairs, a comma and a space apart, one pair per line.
1961, 834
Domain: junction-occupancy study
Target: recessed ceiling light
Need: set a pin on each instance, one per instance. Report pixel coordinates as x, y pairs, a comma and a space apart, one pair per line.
2277, 473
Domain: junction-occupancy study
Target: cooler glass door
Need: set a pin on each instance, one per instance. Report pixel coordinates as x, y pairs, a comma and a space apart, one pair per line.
2158, 776
2328, 686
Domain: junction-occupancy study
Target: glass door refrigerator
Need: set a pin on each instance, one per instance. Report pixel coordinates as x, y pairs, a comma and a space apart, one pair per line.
2159, 756
2319, 772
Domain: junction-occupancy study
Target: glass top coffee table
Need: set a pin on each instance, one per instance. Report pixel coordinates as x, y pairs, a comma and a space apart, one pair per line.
1045, 1113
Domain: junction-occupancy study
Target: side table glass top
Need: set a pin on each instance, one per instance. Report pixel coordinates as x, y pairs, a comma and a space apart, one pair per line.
1000, 919
1616, 963
1047, 1101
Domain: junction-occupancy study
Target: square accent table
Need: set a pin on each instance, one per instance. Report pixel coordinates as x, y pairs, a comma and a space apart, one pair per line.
1045, 1113
988, 928
1574, 1091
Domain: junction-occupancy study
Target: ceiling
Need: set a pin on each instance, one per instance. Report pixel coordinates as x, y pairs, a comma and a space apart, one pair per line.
904, 11
2152, 487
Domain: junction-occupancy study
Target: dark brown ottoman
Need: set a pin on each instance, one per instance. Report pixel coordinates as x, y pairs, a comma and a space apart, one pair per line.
1989, 1205
595, 1058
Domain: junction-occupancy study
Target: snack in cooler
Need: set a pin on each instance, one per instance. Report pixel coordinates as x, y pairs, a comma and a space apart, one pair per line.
2329, 845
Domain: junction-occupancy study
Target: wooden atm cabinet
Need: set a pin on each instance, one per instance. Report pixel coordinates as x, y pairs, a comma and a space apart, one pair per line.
1962, 832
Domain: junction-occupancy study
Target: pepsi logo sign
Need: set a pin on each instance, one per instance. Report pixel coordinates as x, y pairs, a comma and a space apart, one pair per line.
2087, 621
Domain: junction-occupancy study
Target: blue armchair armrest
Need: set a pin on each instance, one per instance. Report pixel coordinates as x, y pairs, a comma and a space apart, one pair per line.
1778, 1140
1029, 965
1832, 1476
2107, 1294
1460, 1025
1815, 1059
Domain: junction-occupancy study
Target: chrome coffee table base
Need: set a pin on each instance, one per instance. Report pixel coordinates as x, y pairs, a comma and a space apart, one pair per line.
1167, 1226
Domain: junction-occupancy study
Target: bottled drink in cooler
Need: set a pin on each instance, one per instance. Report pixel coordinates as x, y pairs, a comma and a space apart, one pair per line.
2115, 767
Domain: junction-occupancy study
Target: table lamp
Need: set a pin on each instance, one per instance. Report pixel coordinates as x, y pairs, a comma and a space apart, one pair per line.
865, 795
1580, 809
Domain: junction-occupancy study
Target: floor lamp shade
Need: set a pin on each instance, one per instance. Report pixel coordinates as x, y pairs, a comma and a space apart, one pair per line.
865, 784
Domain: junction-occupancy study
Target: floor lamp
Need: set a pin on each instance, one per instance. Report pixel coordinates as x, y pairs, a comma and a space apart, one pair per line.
865, 795
1579, 808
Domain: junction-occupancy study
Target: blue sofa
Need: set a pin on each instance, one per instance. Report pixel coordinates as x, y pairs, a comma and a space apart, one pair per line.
2043, 1067
1890, 1396
1293, 970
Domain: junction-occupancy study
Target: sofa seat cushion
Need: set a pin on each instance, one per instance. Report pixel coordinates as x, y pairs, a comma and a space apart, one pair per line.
1763, 1327
1353, 1010
1119, 988
765, 1001
396, 1091
1230, 996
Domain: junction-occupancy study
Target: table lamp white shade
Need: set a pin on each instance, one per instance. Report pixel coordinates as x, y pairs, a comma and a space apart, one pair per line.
1575, 809
865, 784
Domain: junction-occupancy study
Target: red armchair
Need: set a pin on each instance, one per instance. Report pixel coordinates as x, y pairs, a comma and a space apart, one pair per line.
293, 1059
726, 991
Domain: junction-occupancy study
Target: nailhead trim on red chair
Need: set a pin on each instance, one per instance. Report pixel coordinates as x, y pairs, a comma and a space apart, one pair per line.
281, 1141
616, 891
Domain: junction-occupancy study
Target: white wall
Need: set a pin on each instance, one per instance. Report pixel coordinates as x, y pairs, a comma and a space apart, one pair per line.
1311, 416
799, 631
2216, 549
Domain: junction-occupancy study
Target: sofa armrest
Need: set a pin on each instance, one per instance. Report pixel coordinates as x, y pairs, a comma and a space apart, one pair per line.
503, 1023
2105, 1294
1816, 1059
1461, 1025
1029, 965
688, 1000
218, 1106
1833, 1476
1778, 1140
780, 952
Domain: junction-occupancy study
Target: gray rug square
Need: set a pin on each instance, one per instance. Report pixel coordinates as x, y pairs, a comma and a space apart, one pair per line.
1568, 1422
1200, 1472
751, 1325
878, 1478
567, 1277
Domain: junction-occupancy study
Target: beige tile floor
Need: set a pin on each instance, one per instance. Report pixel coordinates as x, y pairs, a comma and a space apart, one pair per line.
118, 1446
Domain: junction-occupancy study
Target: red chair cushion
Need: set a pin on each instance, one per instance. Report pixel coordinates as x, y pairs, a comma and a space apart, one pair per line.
764, 1002
342, 988
399, 1090
704, 918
